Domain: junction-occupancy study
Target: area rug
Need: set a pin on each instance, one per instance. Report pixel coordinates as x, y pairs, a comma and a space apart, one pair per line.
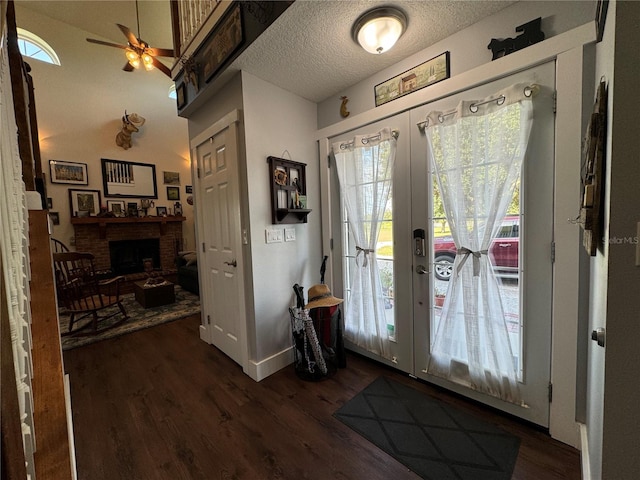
186, 304
433, 439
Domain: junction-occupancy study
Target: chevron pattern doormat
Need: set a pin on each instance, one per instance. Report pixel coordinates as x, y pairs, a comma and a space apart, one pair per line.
433, 439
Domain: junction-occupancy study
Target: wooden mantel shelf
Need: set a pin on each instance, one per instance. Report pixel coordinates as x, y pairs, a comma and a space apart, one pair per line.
102, 222
106, 220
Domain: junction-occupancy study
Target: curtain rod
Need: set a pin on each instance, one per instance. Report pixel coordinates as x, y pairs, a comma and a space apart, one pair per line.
528, 91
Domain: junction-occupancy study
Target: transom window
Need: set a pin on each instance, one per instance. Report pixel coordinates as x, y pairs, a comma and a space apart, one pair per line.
33, 46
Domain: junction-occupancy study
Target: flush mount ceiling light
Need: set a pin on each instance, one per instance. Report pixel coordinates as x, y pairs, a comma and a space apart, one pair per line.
379, 29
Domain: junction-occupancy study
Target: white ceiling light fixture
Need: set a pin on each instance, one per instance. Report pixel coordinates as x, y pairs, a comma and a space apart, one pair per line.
379, 29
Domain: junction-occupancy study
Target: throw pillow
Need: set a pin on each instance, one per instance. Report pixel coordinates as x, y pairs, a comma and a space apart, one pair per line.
190, 258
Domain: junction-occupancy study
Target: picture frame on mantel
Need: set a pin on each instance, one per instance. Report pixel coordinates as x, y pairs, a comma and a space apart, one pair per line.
116, 207
84, 203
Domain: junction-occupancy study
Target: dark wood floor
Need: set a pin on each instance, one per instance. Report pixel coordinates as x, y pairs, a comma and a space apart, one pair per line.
162, 404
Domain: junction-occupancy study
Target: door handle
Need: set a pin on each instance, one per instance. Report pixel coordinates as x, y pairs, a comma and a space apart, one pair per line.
232, 263
421, 270
504, 244
599, 336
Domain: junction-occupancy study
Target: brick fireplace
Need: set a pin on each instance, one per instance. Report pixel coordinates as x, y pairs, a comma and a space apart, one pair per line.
93, 235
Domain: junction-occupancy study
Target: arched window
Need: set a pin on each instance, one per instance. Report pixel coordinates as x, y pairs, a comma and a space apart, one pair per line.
33, 46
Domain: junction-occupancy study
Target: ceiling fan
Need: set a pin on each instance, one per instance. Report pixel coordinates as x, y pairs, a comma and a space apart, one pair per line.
138, 51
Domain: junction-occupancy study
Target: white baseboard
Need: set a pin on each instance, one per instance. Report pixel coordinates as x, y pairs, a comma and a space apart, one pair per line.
584, 452
270, 365
204, 334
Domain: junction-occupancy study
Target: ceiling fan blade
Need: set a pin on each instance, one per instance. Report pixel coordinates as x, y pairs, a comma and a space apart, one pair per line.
161, 66
128, 67
160, 52
130, 36
108, 44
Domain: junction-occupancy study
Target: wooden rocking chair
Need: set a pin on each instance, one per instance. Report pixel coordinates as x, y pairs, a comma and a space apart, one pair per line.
82, 294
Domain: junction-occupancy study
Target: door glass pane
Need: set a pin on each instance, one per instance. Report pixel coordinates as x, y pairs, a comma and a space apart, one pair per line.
384, 254
504, 254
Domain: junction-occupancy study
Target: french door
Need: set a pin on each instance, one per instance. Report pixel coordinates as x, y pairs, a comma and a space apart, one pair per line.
391, 242
414, 272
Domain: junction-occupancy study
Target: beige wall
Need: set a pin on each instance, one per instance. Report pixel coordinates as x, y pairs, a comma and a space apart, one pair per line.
80, 105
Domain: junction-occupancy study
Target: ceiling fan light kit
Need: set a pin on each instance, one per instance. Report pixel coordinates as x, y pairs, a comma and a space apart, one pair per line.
378, 30
138, 51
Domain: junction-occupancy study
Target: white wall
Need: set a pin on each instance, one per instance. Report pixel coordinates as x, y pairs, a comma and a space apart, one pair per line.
277, 121
273, 121
80, 105
620, 433
468, 48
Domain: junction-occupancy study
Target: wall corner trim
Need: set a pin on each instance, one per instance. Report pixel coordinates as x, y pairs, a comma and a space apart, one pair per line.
270, 365
584, 451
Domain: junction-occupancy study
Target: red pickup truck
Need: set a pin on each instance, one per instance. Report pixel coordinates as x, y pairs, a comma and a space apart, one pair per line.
503, 252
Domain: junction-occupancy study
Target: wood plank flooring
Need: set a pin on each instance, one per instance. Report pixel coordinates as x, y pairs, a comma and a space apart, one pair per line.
162, 404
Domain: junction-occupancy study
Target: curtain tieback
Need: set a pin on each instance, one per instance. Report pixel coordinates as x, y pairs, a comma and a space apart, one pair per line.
476, 259
366, 252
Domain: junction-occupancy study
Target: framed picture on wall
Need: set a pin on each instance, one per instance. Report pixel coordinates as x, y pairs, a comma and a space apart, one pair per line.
226, 38
173, 193
181, 95
68, 172
171, 178
55, 218
425, 74
84, 203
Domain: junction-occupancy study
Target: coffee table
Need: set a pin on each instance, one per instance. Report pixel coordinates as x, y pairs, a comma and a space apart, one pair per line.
154, 296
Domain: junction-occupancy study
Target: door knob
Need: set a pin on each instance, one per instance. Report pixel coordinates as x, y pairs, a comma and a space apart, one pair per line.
599, 335
232, 263
421, 270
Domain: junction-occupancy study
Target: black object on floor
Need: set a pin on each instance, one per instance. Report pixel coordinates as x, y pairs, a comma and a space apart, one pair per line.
433, 439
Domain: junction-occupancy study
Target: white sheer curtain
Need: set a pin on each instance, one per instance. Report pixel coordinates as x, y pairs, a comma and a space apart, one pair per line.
365, 170
477, 152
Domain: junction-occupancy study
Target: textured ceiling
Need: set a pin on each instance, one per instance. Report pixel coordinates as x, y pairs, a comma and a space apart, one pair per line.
307, 51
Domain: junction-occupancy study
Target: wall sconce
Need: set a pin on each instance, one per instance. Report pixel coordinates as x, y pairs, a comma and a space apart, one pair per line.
379, 29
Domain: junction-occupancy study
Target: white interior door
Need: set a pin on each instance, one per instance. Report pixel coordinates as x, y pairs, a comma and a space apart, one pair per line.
521, 253
218, 204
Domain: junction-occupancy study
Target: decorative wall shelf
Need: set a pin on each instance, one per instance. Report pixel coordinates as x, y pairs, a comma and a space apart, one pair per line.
288, 182
299, 213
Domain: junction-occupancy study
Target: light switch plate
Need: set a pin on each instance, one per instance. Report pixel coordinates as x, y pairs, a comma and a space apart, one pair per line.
289, 234
273, 235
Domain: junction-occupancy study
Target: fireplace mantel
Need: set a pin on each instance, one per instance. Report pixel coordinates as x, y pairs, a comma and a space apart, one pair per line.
102, 222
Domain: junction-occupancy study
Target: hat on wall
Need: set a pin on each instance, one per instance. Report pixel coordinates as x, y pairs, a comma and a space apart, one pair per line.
136, 119
320, 296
